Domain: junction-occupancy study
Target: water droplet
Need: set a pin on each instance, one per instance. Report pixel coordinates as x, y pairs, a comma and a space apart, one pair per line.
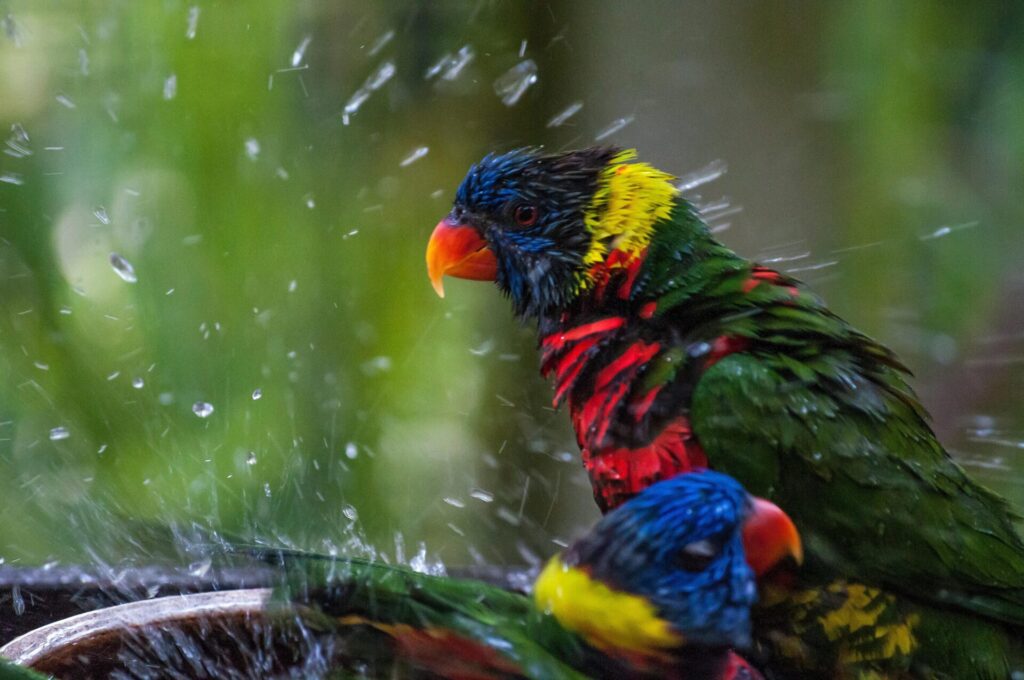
483, 349
203, 409
481, 495
381, 42
377, 365
17, 601
375, 81
250, 458
170, 87
201, 567
193, 21
64, 100
450, 67
292, 285
12, 178
614, 127
101, 214
454, 502
257, 394
300, 51
514, 83
138, 383
58, 433
709, 173
350, 512
123, 268
252, 148
351, 452
417, 153
564, 115
103, 447
266, 489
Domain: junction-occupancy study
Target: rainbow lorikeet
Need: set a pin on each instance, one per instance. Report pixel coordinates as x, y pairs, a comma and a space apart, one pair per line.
674, 353
661, 587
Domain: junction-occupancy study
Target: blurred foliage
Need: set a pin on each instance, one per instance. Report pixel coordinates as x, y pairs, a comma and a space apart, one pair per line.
876, 149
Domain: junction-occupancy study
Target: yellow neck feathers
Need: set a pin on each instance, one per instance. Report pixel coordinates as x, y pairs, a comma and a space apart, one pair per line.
606, 618
630, 199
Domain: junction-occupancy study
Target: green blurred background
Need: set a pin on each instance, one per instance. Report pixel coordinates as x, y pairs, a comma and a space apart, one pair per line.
875, 148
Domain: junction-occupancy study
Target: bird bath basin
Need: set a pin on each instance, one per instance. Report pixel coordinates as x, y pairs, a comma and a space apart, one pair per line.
228, 634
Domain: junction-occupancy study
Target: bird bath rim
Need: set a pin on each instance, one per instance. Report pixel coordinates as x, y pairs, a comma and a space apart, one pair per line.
41, 643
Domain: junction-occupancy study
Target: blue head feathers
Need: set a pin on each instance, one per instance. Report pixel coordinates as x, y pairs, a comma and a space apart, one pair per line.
679, 546
529, 208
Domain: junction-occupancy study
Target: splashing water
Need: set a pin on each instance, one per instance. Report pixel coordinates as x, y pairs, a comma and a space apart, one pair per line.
123, 268
450, 67
514, 83
381, 42
374, 82
59, 433
170, 87
203, 409
193, 22
417, 153
300, 51
565, 114
613, 127
252, 148
709, 173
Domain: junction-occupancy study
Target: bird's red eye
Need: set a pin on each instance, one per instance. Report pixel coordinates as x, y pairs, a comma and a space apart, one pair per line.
525, 215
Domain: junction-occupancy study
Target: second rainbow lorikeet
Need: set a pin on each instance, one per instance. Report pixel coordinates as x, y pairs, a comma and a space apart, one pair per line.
660, 588
674, 353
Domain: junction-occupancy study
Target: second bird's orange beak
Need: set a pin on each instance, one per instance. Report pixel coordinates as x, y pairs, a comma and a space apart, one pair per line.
769, 537
457, 250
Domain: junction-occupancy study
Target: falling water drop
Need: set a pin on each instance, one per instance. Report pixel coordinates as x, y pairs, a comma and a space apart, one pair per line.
417, 153
482, 496
252, 148
514, 83
170, 87
193, 21
300, 51
123, 268
203, 409
257, 394
565, 114
58, 433
613, 127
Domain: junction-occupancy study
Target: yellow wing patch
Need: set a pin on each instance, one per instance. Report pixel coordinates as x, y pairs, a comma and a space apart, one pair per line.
863, 608
607, 618
630, 199
864, 622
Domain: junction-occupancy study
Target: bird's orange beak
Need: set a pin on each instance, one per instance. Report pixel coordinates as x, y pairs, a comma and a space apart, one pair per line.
458, 250
769, 537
